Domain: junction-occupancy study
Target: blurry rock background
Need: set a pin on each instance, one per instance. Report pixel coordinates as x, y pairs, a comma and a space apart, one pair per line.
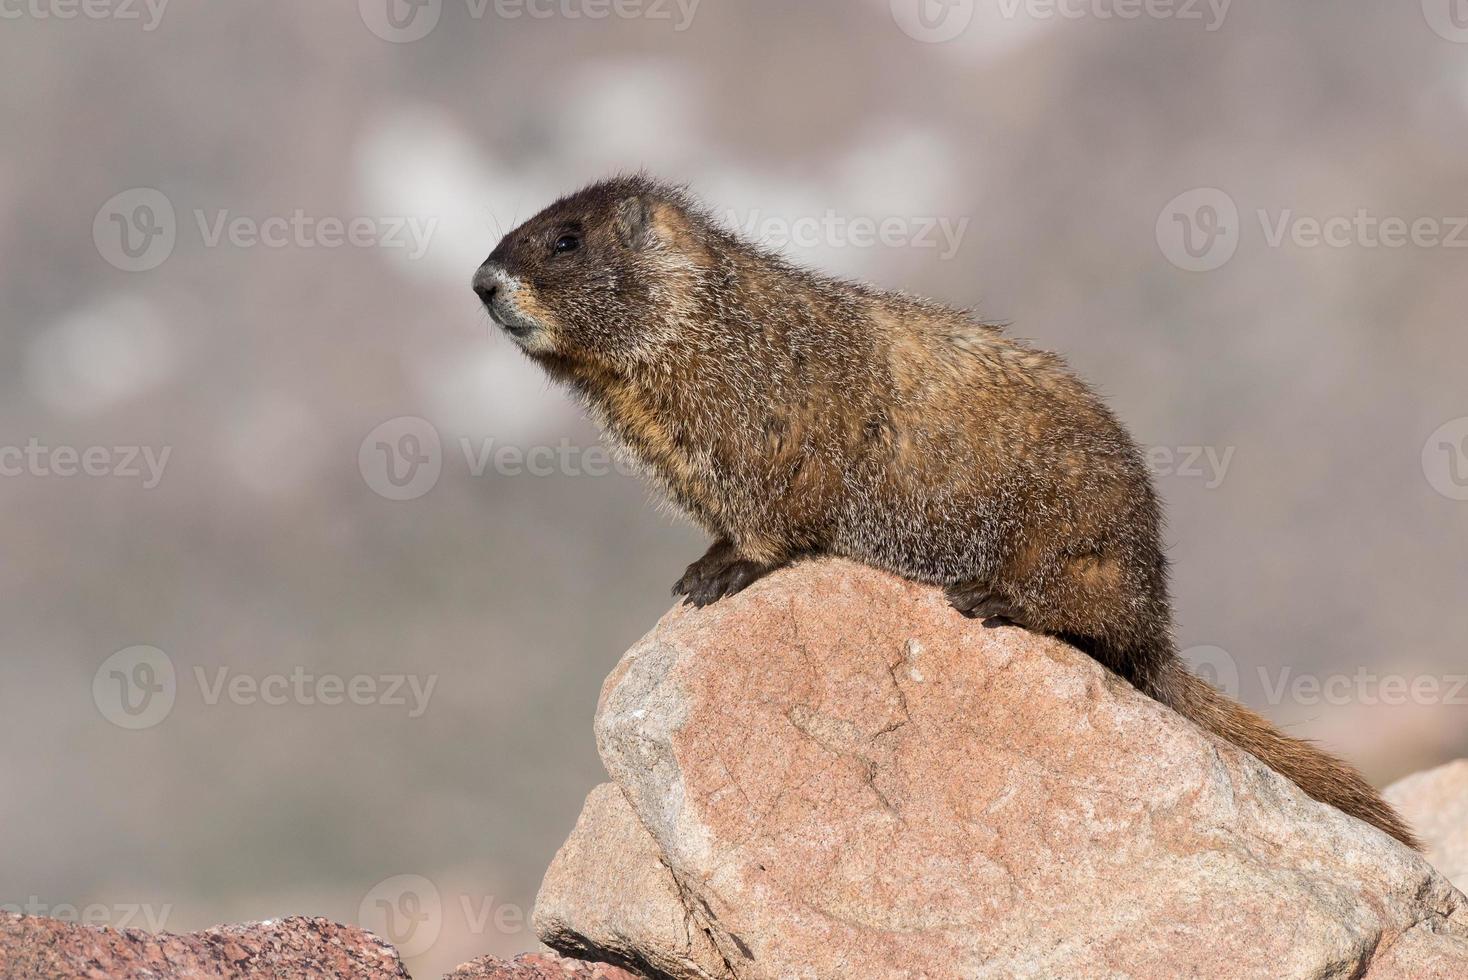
1307, 402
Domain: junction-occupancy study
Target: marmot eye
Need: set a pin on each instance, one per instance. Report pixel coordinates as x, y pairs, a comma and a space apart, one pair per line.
566, 243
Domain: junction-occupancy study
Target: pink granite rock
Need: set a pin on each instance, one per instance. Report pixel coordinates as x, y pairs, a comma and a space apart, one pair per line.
839, 776
1435, 803
537, 966
281, 949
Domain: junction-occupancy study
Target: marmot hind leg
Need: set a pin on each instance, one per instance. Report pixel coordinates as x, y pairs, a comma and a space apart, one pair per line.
1093, 602
977, 601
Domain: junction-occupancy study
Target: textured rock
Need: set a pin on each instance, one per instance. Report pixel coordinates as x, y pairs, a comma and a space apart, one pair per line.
1435, 803
608, 881
32, 946
537, 966
282, 949
845, 778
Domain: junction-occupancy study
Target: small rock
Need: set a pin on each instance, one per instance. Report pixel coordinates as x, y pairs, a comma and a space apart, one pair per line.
1435, 803
284, 949
537, 966
608, 896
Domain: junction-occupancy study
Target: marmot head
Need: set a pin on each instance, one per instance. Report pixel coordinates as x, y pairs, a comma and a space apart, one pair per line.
596, 277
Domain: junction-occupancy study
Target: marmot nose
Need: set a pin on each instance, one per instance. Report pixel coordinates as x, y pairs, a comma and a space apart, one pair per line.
487, 282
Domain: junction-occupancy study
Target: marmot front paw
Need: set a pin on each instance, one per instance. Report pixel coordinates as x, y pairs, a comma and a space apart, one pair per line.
719, 573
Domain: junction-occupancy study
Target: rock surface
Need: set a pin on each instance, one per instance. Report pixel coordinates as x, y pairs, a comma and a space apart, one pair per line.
537, 966
282, 949
838, 776
1435, 803
37, 948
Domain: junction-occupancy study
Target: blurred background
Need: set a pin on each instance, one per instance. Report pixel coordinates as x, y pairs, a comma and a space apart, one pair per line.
308, 580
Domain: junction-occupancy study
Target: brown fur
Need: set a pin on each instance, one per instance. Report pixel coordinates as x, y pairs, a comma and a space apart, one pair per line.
792, 414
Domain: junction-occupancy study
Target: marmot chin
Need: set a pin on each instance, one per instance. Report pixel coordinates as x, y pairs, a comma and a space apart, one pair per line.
793, 414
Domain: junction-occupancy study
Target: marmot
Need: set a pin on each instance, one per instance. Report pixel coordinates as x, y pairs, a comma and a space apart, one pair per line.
794, 414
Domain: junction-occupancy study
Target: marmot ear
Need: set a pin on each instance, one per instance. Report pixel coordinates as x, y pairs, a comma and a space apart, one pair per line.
633, 221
